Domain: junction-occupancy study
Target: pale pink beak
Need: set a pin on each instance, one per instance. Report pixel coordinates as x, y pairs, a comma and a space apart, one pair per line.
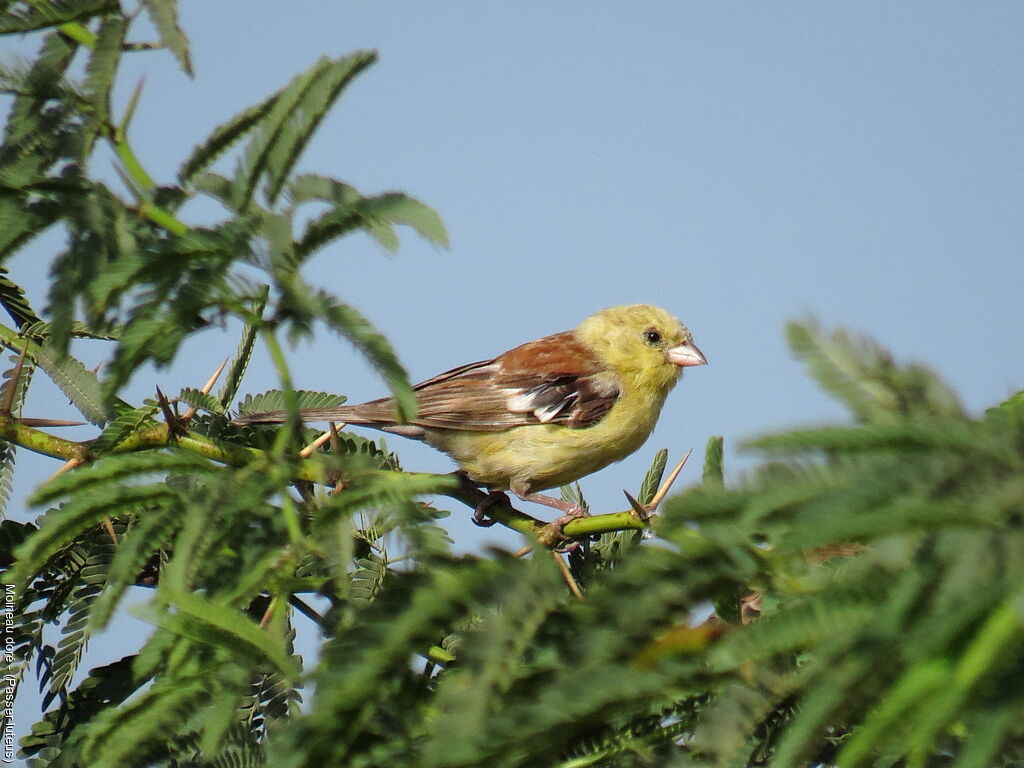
686, 355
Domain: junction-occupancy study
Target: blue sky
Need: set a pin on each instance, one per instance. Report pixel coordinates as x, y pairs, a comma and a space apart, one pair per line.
741, 164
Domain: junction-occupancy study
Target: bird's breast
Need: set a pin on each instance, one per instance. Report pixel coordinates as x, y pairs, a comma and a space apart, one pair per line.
537, 457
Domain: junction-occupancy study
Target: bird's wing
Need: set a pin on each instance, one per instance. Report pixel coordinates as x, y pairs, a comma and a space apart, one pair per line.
554, 380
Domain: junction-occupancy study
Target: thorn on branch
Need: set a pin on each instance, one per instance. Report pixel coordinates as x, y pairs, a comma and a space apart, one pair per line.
174, 424
50, 423
109, 527
310, 449
11, 386
65, 467
646, 511
667, 485
207, 388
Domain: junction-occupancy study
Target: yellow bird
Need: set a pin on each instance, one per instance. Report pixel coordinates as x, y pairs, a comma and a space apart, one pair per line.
547, 412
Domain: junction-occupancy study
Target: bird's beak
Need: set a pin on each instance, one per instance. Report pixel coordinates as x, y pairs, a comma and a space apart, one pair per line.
686, 355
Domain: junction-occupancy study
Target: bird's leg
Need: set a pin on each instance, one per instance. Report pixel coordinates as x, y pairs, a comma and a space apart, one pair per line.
480, 512
480, 516
569, 510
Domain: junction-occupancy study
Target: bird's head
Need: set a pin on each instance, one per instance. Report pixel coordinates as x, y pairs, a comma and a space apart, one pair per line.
642, 342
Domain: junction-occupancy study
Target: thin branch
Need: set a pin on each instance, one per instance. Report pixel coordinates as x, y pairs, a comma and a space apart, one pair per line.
312, 470
14, 431
306, 610
567, 575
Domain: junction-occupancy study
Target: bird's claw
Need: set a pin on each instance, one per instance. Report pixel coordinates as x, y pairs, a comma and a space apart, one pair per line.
557, 527
480, 516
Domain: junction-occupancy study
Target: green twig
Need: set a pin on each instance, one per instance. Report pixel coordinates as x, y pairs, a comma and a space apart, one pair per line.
13, 431
129, 160
310, 470
78, 33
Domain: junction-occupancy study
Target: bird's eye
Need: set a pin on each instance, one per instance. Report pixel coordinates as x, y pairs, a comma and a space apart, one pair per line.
652, 337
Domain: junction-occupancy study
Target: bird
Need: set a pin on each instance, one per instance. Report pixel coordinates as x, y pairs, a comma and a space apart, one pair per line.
545, 413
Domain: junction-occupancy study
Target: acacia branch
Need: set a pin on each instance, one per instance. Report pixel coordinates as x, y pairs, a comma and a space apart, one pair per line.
309, 469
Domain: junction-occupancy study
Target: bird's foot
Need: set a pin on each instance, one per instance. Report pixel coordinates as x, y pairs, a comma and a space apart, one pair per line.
480, 516
569, 512
558, 526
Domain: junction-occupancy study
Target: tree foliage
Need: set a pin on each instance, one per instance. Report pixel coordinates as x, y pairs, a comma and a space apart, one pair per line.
857, 600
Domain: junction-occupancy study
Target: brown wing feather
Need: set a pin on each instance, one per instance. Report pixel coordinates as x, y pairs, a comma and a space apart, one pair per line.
554, 380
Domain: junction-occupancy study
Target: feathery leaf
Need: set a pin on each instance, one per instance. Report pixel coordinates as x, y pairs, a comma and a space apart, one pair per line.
164, 14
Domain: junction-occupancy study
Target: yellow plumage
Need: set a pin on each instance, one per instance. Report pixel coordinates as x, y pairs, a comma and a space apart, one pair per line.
535, 457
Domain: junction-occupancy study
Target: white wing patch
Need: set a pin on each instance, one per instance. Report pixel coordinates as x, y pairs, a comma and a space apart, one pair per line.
538, 401
520, 402
548, 413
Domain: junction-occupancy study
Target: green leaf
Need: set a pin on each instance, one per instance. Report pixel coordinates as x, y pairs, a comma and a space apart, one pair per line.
312, 103
236, 370
275, 400
211, 623
92, 272
351, 324
76, 629
7, 458
953, 435
40, 331
21, 221
123, 735
223, 136
12, 534
59, 526
375, 215
16, 401
398, 208
116, 470
864, 376
201, 400
153, 531
288, 126
574, 495
1012, 404
164, 14
215, 185
714, 468
986, 734
79, 384
99, 75
376, 489
34, 132
922, 681
48, 13
15, 302
117, 429
652, 480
